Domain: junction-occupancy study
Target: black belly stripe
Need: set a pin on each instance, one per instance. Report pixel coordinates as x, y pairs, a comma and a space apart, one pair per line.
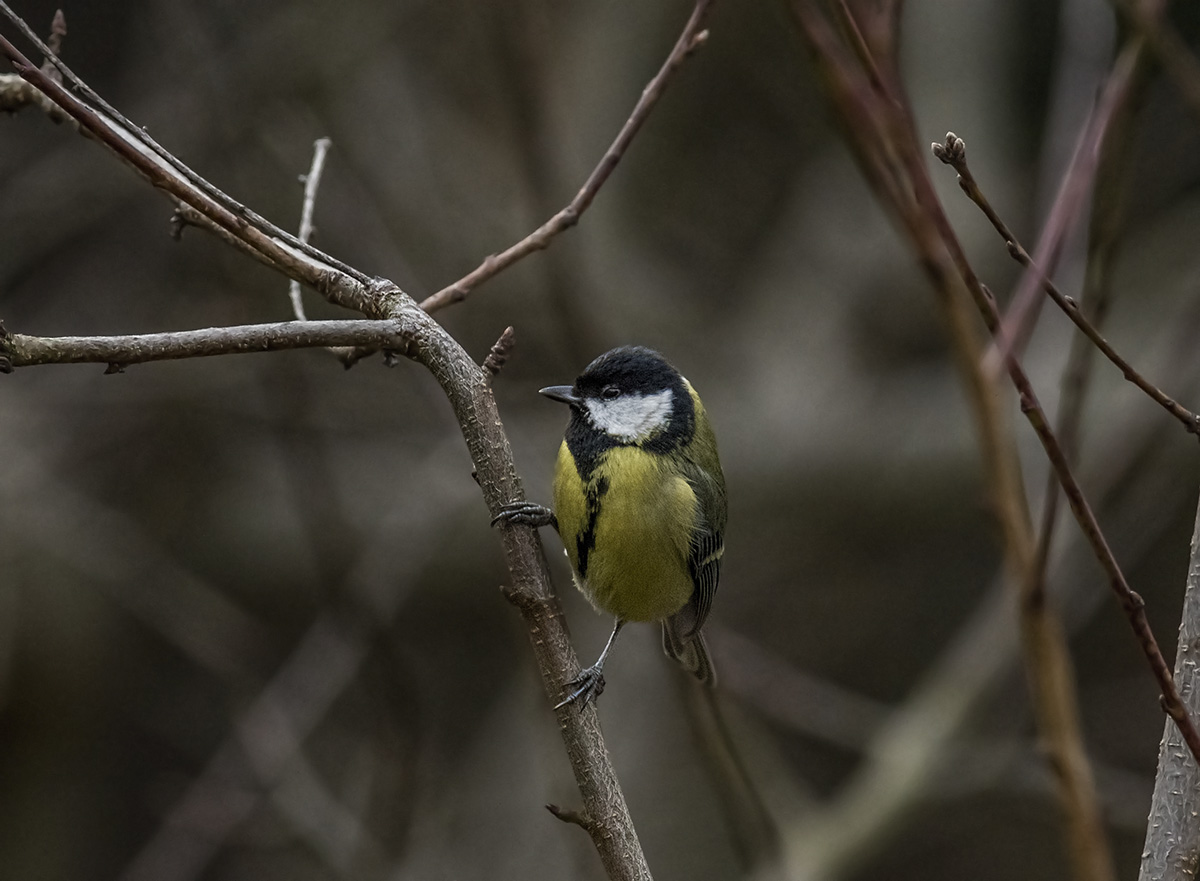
586, 540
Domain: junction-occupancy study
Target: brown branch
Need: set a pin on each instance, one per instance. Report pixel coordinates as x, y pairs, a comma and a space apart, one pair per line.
20, 350
953, 153
1014, 330
498, 356
870, 100
140, 136
689, 40
16, 94
1104, 230
895, 130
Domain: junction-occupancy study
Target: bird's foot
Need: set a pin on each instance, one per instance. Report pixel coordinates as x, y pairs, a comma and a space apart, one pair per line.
526, 514
585, 687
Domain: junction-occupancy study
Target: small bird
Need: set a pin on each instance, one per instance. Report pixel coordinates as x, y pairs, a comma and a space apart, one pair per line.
639, 502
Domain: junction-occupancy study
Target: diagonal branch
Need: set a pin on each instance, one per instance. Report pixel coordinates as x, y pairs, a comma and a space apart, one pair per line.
1013, 331
689, 40
953, 153
58, 71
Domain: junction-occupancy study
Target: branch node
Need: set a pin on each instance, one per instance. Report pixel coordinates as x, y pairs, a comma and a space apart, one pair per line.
521, 597
179, 223
569, 816
498, 356
114, 367
58, 30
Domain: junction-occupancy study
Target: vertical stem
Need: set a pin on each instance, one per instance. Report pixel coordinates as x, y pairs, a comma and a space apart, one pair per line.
1172, 851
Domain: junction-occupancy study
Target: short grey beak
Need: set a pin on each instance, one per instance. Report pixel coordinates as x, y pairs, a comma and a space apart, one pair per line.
564, 393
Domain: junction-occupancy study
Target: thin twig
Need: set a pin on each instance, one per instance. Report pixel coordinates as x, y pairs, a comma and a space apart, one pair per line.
312, 182
498, 356
1131, 603
20, 350
1104, 230
352, 289
953, 152
139, 135
689, 40
1014, 330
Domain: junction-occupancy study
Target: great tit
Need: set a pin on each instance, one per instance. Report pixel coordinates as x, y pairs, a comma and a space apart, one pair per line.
639, 502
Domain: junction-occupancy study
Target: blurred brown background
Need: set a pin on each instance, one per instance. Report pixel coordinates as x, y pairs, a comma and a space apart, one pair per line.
205, 564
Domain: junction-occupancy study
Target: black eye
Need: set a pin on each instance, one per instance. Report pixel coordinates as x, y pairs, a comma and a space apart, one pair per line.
609, 392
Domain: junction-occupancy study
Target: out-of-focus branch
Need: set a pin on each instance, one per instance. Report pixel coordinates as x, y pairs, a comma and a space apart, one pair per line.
1170, 853
1104, 234
16, 94
869, 98
1146, 18
955, 155
1013, 331
20, 350
689, 40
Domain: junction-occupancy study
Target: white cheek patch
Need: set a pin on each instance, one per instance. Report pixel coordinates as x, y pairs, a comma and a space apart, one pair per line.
631, 417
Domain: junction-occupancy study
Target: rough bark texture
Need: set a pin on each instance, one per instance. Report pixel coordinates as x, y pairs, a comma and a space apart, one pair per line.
1172, 851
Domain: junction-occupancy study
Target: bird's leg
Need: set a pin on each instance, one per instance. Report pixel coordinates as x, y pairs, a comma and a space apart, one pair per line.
526, 514
589, 684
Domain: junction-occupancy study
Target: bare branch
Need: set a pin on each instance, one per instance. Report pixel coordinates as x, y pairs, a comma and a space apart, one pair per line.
312, 181
690, 40
1170, 853
1013, 332
954, 154
140, 136
339, 283
16, 94
20, 350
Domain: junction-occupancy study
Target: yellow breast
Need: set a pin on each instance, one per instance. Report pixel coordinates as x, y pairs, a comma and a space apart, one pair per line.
627, 531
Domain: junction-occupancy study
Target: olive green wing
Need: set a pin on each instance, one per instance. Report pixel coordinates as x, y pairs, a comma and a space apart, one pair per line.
706, 548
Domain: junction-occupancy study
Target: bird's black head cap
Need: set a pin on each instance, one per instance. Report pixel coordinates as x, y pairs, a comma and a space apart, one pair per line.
628, 370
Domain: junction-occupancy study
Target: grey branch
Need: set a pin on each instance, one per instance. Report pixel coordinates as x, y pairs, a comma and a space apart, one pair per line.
20, 350
312, 181
1172, 851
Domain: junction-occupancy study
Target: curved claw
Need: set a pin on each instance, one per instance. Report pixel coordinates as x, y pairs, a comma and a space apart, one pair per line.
526, 514
585, 687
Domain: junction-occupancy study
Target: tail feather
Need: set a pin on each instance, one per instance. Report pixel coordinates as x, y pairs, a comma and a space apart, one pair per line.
690, 651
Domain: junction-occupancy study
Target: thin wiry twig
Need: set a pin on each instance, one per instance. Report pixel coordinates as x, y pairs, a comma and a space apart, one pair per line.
312, 182
692, 38
1013, 331
139, 135
953, 153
